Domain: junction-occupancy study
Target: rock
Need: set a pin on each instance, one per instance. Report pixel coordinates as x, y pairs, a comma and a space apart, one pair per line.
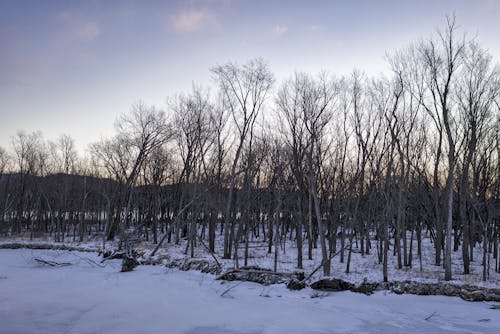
420, 289
264, 277
152, 261
128, 264
493, 298
397, 290
299, 275
105, 253
366, 287
474, 296
256, 268
333, 284
450, 290
296, 284
466, 292
194, 264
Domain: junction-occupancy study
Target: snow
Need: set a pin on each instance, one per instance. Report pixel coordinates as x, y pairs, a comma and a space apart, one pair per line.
363, 267
86, 297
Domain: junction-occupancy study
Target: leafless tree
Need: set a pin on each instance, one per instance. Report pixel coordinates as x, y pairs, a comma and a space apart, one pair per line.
139, 133
244, 89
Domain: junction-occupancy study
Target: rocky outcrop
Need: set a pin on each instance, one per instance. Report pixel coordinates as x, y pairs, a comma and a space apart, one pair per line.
332, 284
295, 284
260, 275
466, 292
194, 264
129, 263
368, 287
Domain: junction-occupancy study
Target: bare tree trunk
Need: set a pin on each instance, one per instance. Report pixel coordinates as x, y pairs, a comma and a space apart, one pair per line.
299, 232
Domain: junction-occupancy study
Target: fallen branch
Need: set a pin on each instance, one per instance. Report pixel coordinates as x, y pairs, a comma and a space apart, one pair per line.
323, 263
52, 263
113, 256
211, 253
433, 314
230, 288
89, 261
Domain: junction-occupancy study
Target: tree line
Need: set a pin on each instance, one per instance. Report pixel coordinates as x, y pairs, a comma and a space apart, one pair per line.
370, 163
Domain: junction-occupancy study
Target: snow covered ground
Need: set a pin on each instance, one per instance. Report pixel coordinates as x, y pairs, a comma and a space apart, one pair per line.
362, 266
87, 298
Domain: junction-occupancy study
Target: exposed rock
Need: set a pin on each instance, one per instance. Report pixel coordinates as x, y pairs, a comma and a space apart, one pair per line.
128, 264
256, 268
299, 275
332, 284
153, 261
295, 284
194, 264
257, 275
450, 290
466, 292
366, 287
474, 296
480, 295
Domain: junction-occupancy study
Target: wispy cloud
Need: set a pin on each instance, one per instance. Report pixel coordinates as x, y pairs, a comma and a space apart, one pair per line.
87, 31
18, 69
79, 28
20, 64
280, 30
193, 19
315, 28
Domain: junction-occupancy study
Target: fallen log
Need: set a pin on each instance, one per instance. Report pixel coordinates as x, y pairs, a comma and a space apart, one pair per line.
46, 246
52, 263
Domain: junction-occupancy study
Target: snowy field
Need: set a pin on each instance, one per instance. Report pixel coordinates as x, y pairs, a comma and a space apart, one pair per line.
363, 267
86, 297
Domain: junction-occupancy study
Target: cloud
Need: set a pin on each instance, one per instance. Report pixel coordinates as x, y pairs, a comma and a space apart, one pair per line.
280, 30
192, 20
78, 27
64, 15
87, 56
20, 63
316, 28
18, 69
87, 31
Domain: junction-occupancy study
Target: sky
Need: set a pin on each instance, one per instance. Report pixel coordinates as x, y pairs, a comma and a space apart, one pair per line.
71, 67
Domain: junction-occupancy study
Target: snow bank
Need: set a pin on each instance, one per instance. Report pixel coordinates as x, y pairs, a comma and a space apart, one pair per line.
88, 298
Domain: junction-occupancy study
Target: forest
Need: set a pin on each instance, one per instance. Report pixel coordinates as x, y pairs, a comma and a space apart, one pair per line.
338, 164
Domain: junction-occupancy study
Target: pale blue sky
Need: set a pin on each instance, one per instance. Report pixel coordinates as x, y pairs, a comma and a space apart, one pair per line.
72, 67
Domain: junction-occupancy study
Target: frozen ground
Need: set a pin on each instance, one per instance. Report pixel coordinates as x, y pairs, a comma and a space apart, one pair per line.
362, 266
87, 298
